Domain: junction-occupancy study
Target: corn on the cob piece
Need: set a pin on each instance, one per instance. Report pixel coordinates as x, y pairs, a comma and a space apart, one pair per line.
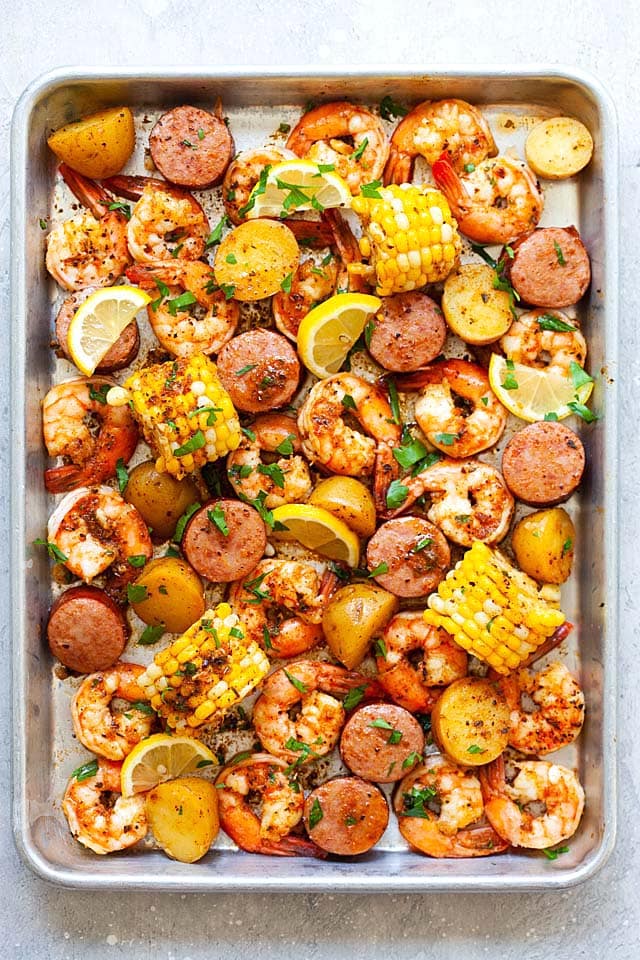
206, 671
185, 413
493, 610
410, 236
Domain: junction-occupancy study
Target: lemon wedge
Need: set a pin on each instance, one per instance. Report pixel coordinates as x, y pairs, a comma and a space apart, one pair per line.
328, 332
533, 394
99, 321
319, 530
162, 757
295, 185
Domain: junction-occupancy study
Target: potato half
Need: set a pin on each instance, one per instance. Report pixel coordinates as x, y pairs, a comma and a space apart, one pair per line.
543, 543
473, 308
97, 146
353, 617
183, 815
558, 148
470, 721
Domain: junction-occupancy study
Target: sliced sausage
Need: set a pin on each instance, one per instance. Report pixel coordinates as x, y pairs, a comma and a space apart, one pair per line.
543, 463
120, 355
346, 816
190, 147
260, 370
414, 555
86, 630
408, 332
381, 741
222, 556
550, 267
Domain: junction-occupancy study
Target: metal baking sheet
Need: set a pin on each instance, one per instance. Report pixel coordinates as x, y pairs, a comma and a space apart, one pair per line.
257, 101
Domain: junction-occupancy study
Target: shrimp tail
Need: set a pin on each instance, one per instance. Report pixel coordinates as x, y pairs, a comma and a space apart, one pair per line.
558, 636
399, 167
68, 477
131, 187
449, 182
87, 191
386, 470
292, 846
142, 275
312, 233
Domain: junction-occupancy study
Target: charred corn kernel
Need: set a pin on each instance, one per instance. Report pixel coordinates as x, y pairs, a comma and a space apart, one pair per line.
493, 610
186, 415
208, 669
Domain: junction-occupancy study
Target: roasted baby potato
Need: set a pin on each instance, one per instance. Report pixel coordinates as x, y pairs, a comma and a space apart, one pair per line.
159, 497
349, 500
255, 259
183, 815
470, 721
168, 593
543, 543
353, 617
97, 146
558, 148
473, 307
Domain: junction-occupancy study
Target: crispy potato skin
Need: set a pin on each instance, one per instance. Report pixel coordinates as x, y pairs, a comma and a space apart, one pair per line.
470, 721
97, 146
353, 617
159, 498
558, 148
544, 543
473, 308
183, 815
174, 598
255, 259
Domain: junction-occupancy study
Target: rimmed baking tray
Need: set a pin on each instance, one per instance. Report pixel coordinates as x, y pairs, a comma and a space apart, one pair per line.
257, 96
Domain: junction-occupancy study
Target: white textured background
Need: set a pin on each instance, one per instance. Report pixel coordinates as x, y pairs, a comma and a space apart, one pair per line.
600, 919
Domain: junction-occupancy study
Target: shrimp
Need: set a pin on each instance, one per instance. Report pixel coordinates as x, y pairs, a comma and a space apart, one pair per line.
547, 709
310, 285
243, 173
185, 328
98, 817
108, 734
536, 804
345, 135
440, 812
166, 223
264, 780
327, 440
69, 412
456, 409
417, 660
89, 249
469, 500
305, 685
281, 603
494, 203
284, 480
451, 126
94, 528
526, 342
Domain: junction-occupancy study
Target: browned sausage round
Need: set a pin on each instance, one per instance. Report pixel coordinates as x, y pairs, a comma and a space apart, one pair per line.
86, 630
408, 332
346, 816
550, 267
380, 741
123, 351
222, 556
543, 463
260, 370
416, 555
191, 147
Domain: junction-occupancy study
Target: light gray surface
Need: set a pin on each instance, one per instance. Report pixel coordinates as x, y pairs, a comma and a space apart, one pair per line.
599, 918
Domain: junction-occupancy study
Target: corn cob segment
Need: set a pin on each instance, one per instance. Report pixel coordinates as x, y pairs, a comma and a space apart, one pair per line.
493, 610
209, 669
185, 413
410, 236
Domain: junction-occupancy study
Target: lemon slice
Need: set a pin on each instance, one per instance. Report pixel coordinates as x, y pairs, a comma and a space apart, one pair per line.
159, 758
295, 185
319, 530
532, 394
328, 332
99, 321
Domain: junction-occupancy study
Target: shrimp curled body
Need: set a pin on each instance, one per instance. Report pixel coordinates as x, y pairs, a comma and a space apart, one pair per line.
557, 713
108, 734
98, 816
287, 480
528, 343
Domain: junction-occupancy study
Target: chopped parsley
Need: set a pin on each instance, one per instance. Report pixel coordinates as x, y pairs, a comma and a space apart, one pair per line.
196, 442
554, 854
246, 369
357, 154
410, 453
371, 190
315, 814
285, 286
99, 395
354, 697
422, 544
390, 109
54, 552
216, 234
474, 748
183, 302
298, 684
582, 411
149, 635
348, 402
415, 802
136, 592
396, 494
579, 376
122, 208
85, 771
446, 439
411, 759
183, 521
137, 560
285, 448
380, 569
547, 321
510, 382
274, 472
566, 546
121, 475
559, 253
217, 518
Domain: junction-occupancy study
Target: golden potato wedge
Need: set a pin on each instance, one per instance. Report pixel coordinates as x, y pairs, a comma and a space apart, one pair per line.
159, 497
173, 596
543, 543
470, 721
255, 259
183, 815
97, 146
558, 148
349, 500
473, 308
353, 617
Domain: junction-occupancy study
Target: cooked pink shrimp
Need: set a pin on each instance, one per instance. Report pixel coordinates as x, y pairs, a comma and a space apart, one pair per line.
189, 315
496, 202
90, 248
451, 126
98, 816
106, 733
311, 284
529, 343
284, 480
68, 412
243, 173
547, 709
263, 781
